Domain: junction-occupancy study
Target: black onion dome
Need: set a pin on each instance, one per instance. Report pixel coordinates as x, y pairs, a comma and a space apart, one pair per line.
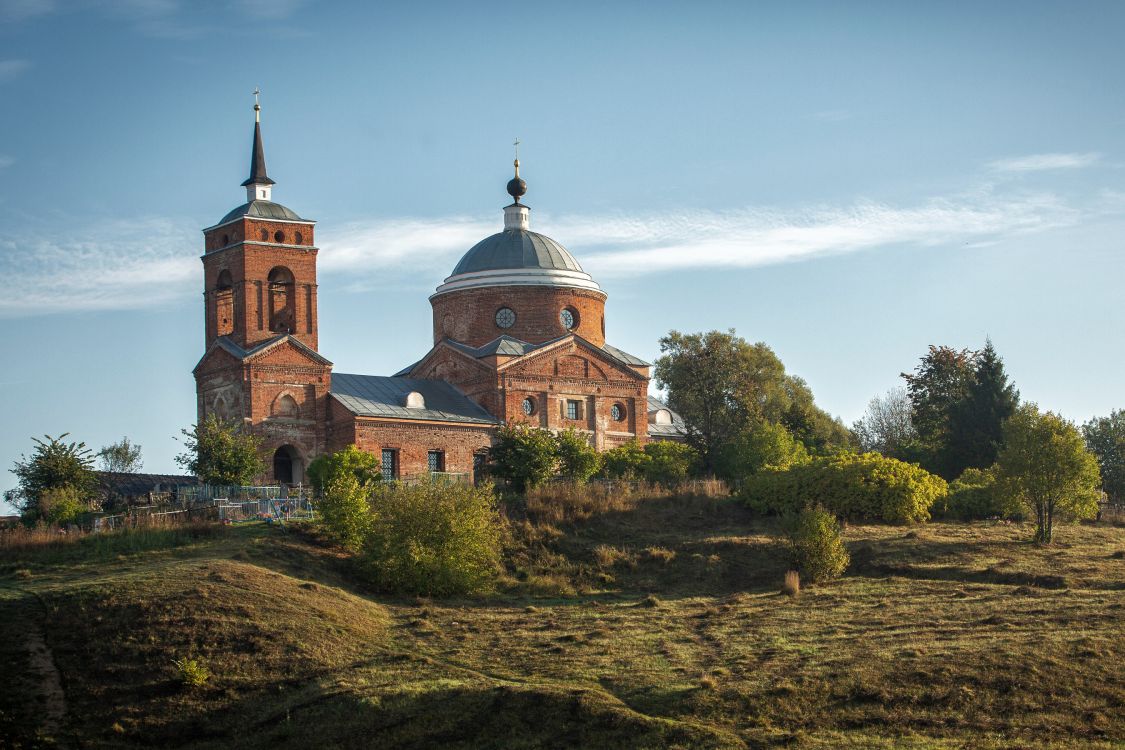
517, 188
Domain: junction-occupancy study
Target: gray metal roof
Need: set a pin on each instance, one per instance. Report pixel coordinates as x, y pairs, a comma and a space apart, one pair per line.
624, 356
516, 248
261, 210
380, 396
675, 430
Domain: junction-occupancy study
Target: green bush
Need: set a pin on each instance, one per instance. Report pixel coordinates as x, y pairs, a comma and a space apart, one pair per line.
578, 460
816, 546
628, 461
975, 496
192, 672
855, 486
328, 466
525, 456
763, 445
433, 538
345, 513
60, 505
669, 463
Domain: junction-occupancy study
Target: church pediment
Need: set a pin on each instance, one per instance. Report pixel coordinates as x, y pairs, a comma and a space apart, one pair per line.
570, 358
281, 350
447, 362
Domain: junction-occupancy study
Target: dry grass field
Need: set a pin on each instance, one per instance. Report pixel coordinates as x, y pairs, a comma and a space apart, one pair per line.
624, 622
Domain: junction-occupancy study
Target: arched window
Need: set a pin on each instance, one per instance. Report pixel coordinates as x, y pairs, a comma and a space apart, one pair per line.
224, 304
282, 296
265, 234
298, 239
414, 400
285, 406
279, 236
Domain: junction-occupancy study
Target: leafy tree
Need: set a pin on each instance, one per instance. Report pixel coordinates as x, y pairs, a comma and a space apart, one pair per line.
977, 422
221, 453
720, 384
1105, 438
669, 462
1044, 464
122, 456
344, 511
577, 459
761, 445
886, 426
60, 504
816, 546
628, 461
525, 456
975, 496
350, 460
856, 486
434, 538
937, 388
54, 464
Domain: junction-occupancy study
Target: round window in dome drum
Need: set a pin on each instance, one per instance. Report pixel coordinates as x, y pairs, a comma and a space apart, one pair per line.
505, 317
617, 411
529, 406
568, 318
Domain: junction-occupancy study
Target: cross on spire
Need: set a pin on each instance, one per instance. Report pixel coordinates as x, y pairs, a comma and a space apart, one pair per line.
257, 106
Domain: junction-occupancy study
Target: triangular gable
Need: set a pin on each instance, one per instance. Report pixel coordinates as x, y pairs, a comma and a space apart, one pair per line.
266, 351
562, 347
443, 348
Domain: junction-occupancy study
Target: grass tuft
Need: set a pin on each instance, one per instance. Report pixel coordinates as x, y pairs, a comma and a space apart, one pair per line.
792, 584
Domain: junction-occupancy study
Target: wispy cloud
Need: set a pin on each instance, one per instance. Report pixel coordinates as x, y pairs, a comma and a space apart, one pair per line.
108, 266
136, 264
833, 115
20, 10
12, 69
6, 161
269, 10
1042, 162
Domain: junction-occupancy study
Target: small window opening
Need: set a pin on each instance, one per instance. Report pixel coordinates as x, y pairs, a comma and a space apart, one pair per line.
435, 461
389, 464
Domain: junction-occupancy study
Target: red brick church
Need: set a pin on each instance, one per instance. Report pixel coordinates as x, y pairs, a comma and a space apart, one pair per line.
519, 336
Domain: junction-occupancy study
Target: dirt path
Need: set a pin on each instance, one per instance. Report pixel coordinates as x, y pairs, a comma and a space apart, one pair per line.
42, 669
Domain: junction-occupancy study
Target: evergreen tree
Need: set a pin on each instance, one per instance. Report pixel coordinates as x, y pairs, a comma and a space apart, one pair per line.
937, 388
977, 421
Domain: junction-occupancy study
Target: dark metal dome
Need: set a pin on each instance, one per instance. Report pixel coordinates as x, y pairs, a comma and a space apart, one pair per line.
517, 188
261, 210
516, 248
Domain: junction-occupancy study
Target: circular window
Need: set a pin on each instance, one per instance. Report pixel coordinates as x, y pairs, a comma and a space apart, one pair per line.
529, 406
569, 318
505, 317
298, 239
279, 236
617, 411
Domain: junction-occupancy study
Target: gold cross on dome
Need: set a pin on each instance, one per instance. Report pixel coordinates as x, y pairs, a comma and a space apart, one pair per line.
517, 145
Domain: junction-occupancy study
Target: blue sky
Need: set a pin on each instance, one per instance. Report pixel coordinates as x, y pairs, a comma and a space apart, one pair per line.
848, 182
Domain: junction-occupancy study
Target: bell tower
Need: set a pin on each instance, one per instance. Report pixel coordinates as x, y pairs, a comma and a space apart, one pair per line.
259, 265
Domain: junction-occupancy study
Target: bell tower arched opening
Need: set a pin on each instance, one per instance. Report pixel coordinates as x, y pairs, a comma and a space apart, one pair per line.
282, 300
224, 304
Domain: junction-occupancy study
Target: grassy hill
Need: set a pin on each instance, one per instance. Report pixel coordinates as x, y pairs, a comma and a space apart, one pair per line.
636, 623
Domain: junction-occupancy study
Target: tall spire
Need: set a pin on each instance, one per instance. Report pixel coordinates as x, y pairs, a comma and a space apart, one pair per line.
258, 184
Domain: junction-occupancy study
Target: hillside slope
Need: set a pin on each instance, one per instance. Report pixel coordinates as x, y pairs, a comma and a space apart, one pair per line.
945, 636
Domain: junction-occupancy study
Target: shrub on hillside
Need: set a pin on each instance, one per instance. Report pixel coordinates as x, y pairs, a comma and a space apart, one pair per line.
975, 496
855, 486
60, 505
816, 546
433, 538
628, 461
525, 456
363, 465
578, 460
669, 463
763, 445
345, 513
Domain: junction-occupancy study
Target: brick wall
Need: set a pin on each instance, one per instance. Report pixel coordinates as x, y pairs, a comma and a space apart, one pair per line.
469, 315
